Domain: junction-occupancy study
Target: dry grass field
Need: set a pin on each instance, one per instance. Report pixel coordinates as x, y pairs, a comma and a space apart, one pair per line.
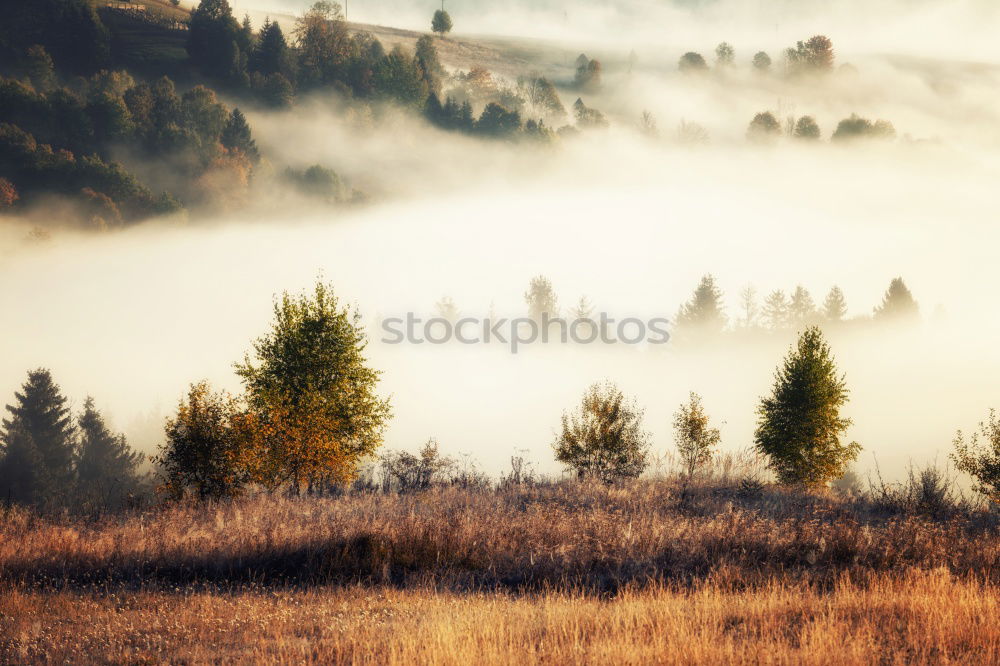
553, 573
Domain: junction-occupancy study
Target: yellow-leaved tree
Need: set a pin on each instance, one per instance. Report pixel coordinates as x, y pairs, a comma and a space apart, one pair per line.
312, 405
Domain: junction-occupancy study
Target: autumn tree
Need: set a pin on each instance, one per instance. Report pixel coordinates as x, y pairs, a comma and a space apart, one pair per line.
204, 449
309, 385
695, 438
37, 444
324, 43
799, 425
980, 458
604, 439
897, 304
8, 194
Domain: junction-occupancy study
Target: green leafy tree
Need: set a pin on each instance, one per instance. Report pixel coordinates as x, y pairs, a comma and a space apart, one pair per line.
38, 444
762, 62
799, 426
107, 468
310, 384
897, 304
856, 127
695, 438
604, 439
213, 40
806, 128
692, 62
980, 459
496, 121
725, 55
704, 315
398, 77
816, 53
441, 23
430, 64
40, 68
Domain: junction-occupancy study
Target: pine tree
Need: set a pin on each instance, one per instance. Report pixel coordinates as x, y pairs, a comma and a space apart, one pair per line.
897, 304
835, 306
106, 466
39, 441
703, 315
270, 55
801, 309
236, 136
776, 314
799, 426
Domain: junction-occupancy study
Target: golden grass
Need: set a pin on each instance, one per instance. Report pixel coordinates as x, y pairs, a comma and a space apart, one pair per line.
911, 617
563, 536
554, 573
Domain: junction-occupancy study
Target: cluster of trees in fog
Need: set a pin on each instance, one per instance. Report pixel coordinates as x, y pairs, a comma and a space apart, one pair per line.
310, 419
814, 56
704, 316
50, 457
62, 140
799, 426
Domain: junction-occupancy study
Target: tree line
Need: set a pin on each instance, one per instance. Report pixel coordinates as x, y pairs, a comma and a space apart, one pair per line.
310, 417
